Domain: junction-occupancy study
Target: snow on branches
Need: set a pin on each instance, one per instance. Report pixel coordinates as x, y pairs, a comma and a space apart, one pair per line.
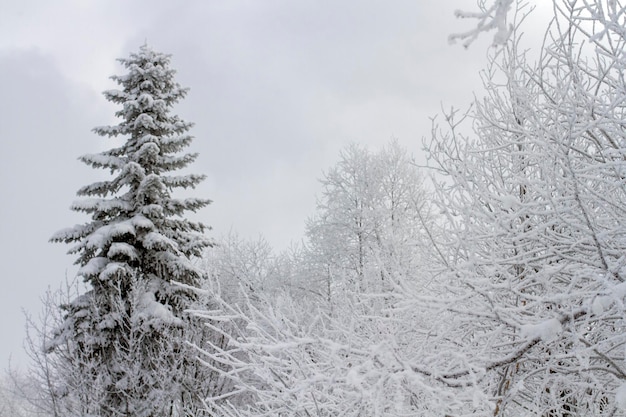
129, 323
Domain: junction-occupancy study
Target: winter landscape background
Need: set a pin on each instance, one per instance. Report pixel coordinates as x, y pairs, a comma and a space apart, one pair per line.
368, 259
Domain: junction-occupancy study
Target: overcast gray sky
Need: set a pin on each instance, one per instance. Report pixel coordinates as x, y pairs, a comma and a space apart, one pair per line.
278, 87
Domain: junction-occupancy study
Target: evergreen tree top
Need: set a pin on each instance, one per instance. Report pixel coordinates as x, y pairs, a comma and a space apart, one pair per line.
136, 206
149, 74
124, 332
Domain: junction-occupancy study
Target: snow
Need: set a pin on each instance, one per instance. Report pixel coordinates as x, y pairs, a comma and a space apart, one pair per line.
124, 249
509, 202
101, 160
100, 204
620, 396
152, 210
157, 241
152, 309
602, 303
547, 331
69, 233
145, 100
101, 237
492, 17
111, 269
144, 121
619, 291
141, 222
149, 150
93, 267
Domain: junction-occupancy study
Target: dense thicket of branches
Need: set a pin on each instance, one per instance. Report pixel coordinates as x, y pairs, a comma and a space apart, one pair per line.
531, 254
329, 350
535, 203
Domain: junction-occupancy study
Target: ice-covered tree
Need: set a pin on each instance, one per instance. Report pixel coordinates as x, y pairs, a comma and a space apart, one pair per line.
17, 392
239, 267
535, 199
332, 339
137, 243
490, 16
371, 222
290, 361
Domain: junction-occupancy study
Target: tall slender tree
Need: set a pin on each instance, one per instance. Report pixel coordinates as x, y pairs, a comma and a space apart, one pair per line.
371, 221
128, 324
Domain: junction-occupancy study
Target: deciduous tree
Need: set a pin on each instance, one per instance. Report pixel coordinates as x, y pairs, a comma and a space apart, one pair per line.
535, 200
371, 223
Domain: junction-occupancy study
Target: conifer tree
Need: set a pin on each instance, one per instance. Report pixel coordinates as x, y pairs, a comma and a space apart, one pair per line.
128, 324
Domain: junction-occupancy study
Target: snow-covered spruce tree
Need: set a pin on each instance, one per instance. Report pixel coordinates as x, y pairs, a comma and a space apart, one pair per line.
129, 323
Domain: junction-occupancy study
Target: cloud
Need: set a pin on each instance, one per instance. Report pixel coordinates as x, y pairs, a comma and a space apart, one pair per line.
44, 123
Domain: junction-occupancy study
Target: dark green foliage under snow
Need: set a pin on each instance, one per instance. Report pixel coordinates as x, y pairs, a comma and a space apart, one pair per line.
125, 329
